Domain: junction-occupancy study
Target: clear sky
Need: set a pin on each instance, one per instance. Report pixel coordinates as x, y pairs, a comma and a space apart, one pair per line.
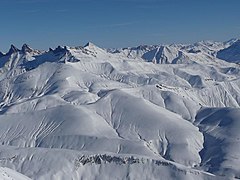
116, 23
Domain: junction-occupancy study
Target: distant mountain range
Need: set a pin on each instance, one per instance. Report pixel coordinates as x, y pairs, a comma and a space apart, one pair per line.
159, 54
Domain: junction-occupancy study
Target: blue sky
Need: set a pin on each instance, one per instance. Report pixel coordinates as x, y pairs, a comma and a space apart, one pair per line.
116, 23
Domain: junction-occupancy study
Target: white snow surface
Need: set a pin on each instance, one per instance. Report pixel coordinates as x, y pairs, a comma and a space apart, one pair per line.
147, 112
8, 174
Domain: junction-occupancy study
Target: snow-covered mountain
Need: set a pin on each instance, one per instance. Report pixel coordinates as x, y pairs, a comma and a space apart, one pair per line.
147, 112
232, 53
180, 53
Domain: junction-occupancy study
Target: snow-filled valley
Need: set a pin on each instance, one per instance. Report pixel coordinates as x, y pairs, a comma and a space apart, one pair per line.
146, 112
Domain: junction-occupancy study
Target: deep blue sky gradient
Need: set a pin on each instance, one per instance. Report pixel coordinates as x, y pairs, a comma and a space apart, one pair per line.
116, 23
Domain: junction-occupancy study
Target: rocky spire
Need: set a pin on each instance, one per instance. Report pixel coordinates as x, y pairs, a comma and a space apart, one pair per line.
12, 50
60, 49
26, 48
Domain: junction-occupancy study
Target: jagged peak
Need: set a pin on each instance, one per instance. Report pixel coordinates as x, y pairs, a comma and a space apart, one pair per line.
60, 49
12, 50
50, 49
90, 44
26, 48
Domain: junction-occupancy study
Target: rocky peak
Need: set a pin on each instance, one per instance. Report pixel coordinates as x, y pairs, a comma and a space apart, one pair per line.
12, 50
90, 44
26, 48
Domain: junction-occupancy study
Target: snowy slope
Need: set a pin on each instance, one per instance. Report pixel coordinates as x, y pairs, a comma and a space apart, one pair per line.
221, 131
8, 174
231, 54
83, 112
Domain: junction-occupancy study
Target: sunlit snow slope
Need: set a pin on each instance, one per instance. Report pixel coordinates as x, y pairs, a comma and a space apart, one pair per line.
148, 112
8, 174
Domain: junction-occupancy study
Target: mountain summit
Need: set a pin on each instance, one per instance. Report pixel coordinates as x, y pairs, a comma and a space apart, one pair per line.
12, 50
90, 45
26, 48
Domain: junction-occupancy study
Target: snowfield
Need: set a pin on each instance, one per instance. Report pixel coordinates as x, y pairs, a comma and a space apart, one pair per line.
147, 112
8, 174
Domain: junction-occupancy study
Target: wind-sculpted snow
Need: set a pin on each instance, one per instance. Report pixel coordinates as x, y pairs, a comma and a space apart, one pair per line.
169, 111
